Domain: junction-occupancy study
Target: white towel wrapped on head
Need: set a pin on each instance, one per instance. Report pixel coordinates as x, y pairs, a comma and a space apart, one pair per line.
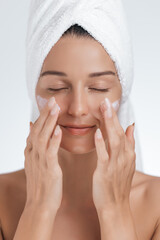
105, 20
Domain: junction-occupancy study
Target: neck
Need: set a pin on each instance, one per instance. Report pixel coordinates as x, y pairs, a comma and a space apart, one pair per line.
78, 172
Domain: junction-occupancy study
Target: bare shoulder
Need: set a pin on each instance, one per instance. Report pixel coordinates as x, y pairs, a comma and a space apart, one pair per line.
12, 180
11, 187
150, 183
153, 189
150, 180
12, 200
150, 186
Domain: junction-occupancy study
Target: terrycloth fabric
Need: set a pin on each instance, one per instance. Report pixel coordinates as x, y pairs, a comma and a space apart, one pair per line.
105, 20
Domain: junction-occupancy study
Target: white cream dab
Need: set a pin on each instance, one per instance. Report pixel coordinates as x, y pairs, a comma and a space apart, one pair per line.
41, 102
116, 104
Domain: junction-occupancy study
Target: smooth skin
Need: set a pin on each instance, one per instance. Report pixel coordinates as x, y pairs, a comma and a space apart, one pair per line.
77, 155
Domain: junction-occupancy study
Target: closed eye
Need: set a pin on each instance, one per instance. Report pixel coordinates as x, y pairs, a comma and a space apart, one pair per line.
101, 90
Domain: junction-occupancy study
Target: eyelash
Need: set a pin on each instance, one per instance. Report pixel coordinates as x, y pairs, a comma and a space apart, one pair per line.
99, 90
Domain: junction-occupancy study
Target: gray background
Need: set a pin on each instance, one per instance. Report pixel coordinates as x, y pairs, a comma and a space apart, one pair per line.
144, 22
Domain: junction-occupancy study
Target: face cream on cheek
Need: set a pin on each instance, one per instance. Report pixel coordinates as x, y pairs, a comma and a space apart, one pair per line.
116, 104
41, 102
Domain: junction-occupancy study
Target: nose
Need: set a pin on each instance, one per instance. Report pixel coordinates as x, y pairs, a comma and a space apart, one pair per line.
78, 104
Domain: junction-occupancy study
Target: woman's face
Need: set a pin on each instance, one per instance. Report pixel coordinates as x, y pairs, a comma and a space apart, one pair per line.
79, 99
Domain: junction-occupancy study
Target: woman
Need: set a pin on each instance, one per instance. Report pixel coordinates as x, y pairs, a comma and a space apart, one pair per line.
74, 186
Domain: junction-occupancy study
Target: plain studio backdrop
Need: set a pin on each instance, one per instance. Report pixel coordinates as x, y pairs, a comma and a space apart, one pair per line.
144, 22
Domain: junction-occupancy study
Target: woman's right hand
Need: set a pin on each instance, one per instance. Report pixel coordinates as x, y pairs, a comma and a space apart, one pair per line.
43, 172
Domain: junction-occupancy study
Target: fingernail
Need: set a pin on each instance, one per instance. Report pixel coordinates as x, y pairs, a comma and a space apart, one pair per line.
98, 133
51, 102
109, 110
30, 125
133, 129
57, 130
54, 110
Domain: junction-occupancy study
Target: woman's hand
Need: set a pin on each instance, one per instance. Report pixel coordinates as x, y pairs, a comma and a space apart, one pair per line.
43, 173
115, 164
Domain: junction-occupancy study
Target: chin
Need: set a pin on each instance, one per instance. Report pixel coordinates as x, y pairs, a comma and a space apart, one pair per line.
77, 149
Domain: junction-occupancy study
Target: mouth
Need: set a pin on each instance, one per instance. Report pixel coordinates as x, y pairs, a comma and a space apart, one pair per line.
76, 127
78, 130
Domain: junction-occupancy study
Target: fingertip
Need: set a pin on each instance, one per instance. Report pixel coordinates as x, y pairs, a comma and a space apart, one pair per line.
130, 132
31, 125
98, 134
133, 127
57, 131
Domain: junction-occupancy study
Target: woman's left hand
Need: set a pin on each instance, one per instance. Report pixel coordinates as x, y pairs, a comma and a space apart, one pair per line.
113, 176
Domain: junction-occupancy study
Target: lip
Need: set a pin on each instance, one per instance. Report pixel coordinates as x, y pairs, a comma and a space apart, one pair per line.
78, 126
78, 131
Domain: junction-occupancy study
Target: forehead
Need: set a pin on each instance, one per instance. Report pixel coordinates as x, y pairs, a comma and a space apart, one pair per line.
78, 54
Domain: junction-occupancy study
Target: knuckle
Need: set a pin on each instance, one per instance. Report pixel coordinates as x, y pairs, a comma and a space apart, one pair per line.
132, 155
34, 130
29, 146
40, 140
36, 155
44, 136
115, 142
49, 154
103, 160
121, 133
39, 145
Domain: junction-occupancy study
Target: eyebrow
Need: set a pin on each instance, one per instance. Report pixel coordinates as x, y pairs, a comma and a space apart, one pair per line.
96, 74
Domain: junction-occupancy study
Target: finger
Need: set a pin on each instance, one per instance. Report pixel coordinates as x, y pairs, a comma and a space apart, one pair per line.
28, 143
102, 154
121, 160
119, 128
49, 126
38, 124
31, 124
123, 140
54, 143
29, 137
28, 147
127, 140
130, 136
111, 131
